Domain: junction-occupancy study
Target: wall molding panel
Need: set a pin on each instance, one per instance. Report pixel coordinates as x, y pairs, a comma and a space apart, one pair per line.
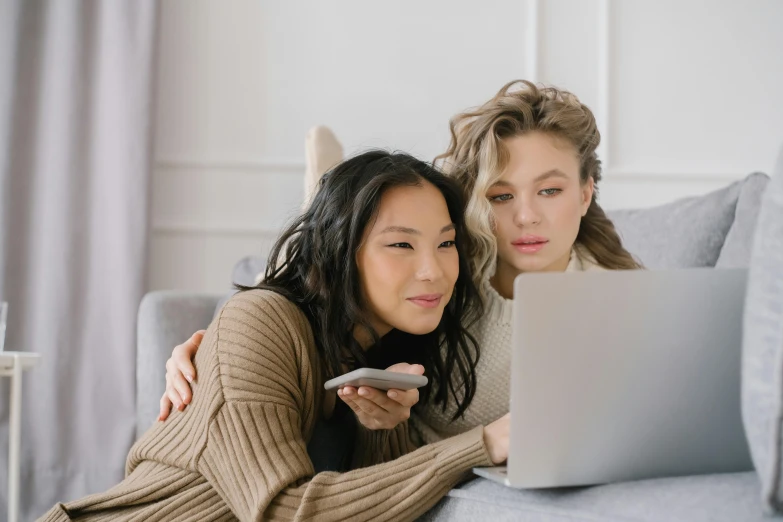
604, 110
532, 41
291, 165
192, 229
670, 176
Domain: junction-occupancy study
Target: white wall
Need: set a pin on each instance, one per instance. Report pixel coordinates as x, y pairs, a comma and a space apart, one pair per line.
686, 93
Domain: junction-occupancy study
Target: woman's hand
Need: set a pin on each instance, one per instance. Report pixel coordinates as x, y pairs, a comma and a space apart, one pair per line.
382, 410
179, 373
496, 439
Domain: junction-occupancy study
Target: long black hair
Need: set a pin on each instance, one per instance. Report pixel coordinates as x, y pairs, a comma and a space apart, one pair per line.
313, 264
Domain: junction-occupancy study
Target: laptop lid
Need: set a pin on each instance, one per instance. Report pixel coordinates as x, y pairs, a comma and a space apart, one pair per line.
624, 375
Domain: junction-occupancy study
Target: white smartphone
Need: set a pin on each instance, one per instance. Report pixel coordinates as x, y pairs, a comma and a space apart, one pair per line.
380, 379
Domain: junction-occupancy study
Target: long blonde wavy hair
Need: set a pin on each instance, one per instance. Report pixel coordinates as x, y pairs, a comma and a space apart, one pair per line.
477, 156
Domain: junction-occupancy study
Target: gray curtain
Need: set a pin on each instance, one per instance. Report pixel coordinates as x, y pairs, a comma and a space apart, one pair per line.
76, 84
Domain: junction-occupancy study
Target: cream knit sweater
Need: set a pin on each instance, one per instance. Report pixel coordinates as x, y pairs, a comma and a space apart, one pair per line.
493, 373
239, 451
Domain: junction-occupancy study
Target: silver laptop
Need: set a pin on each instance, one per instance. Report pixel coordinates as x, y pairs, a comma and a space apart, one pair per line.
625, 375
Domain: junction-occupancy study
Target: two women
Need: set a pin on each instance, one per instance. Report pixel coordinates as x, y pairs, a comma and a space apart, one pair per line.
382, 268
527, 161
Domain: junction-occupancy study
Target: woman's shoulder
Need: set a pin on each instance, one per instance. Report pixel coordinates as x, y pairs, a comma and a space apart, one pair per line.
262, 302
263, 332
582, 260
497, 309
264, 313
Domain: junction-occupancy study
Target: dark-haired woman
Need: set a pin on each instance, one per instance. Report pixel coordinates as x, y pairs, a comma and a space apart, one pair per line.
378, 251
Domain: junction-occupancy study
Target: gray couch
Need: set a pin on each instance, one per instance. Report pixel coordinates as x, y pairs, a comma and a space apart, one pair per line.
714, 230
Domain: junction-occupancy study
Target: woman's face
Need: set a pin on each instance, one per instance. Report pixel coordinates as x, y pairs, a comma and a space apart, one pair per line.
538, 204
408, 262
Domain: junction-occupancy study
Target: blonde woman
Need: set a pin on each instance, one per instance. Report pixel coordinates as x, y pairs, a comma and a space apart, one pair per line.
528, 164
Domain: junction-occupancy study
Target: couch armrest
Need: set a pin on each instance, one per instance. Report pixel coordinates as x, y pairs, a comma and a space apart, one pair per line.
166, 319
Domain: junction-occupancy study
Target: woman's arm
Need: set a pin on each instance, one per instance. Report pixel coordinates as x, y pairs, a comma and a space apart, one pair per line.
375, 409
255, 453
267, 474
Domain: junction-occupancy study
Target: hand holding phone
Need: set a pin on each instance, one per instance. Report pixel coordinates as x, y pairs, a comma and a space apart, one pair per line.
379, 379
381, 399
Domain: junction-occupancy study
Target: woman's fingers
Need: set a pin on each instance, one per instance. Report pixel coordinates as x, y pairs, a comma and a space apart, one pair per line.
370, 408
179, 372
351, 404
173, 395
185, 367
378, 398
496, 437
407, 398
181, 386
165, 408
184, 353
361, 400
176, 384
373, 408
393, 401
411, 369
384, 403
368, 414
378, 409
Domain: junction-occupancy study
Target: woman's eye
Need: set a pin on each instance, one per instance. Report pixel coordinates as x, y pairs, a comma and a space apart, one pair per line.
501, 197
448, 244
401, 245
550, 191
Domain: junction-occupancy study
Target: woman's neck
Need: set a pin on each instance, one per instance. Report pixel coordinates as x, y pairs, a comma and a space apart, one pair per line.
505, 274
503, 279
363, 336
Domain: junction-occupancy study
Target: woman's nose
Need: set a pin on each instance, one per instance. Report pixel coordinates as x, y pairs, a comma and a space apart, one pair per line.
429, 268
527, 214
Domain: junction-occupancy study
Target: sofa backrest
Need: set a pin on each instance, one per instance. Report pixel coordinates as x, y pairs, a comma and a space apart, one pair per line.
714, 229
762, 346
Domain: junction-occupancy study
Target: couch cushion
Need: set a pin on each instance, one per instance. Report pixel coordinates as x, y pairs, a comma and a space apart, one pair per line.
729, 497
736, 249
246, 272
762, 351
686, 233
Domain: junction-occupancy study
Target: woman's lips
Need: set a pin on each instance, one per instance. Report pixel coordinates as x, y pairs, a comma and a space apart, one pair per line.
530, 244
426, 300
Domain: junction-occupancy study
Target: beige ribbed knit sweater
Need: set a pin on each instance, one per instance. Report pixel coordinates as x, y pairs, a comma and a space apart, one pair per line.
493, 372
239, 451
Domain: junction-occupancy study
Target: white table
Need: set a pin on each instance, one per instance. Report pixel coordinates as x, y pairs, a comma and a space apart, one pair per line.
11, 365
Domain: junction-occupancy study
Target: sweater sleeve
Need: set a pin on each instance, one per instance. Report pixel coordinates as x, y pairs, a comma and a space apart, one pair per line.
255, 455
379, 446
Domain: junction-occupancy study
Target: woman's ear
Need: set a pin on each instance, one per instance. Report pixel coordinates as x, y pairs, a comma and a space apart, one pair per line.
587, 195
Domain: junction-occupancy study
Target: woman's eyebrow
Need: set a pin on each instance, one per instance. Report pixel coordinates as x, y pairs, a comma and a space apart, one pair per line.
402, 230
413, 231
501, 183
554, 173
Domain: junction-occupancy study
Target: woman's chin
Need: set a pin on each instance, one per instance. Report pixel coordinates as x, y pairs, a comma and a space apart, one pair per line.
530, 265
534, 264
420, 326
